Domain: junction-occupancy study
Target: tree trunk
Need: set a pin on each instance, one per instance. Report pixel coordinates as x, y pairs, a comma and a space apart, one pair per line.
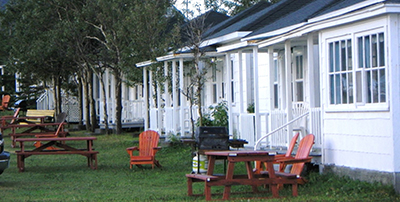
86, 103
80, 100
118, 103
103, 88
91, 101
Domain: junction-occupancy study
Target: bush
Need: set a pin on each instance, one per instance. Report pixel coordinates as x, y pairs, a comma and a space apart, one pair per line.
217, 117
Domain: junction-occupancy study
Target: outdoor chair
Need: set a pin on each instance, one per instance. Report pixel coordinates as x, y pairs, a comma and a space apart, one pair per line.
59, 132
294, 177
260, 166
9, 119
147, 149
4, 102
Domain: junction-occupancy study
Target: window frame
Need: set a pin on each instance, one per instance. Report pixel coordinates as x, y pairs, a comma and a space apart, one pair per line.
364, 105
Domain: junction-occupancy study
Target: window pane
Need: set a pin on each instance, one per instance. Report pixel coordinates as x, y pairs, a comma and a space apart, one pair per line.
344, 88
214, 73
337, 64
338, 90
360, 52
382, 85
369, 93
375, 86
367, 52
299, 86
359, 86
349, 56
381, 50
343, 55
332, 89
299, 67
232, 92
222, 90
331, 57
374, 51
350, 85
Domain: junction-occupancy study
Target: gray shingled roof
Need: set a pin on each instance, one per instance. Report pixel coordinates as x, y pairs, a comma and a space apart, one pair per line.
280, 15
237, 22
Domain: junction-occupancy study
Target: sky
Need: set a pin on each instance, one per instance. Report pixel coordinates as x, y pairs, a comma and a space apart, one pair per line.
192, 3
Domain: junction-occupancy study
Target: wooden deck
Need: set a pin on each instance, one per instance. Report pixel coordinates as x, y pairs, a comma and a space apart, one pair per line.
138, 123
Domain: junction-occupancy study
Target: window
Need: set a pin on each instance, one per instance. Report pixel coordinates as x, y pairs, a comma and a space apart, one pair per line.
214, 84
276, 89
340, 72
232, 83
299, 79
371, 73
361, 81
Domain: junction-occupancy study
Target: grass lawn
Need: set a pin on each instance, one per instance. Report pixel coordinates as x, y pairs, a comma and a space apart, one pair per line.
67, 178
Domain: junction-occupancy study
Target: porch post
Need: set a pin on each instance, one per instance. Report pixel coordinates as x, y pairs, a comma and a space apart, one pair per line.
166, 86
256, 95
151, 92
181, 97
271, 77
146, 99
311, 81
174, 98
159, 117
167, 101
288, 79
241, 99
229, 91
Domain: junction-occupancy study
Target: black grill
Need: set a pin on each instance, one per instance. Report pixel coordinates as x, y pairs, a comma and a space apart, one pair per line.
212, 138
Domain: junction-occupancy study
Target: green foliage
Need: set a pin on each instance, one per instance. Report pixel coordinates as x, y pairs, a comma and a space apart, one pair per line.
217, 117
250, 108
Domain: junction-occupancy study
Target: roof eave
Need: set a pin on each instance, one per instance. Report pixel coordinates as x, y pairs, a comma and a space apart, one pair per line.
236, 46
225, 38
145, 63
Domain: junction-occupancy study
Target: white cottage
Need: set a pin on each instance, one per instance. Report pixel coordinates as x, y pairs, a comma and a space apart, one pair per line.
339, 59
325, 67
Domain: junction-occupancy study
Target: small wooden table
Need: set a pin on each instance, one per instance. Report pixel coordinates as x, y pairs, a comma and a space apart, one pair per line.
59, 142
230, 179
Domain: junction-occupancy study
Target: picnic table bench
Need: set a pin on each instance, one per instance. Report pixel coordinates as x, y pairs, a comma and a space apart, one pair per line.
62, 148
39, 115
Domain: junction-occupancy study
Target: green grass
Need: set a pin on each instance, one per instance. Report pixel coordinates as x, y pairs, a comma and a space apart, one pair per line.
67, 178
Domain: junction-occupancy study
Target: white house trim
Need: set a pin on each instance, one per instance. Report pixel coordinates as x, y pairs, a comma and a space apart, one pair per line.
235, 46
275, 32
234, 36
145, 63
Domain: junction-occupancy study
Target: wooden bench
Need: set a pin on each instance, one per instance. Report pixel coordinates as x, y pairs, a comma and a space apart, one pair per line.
43, 114
62, 148
201, 178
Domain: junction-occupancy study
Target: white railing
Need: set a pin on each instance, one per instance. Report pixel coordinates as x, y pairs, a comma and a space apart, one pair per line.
279, 129
244, 126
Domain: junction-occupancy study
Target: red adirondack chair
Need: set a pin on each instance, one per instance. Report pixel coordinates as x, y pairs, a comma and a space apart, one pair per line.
260, 166
302, 156
148, 147
4, 102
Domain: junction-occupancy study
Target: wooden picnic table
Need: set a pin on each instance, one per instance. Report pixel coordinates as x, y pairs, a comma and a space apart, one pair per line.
229, 179
12, 121
62, 148
30, 128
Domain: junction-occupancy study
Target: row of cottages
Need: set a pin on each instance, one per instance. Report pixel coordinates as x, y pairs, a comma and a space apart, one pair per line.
326, 67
